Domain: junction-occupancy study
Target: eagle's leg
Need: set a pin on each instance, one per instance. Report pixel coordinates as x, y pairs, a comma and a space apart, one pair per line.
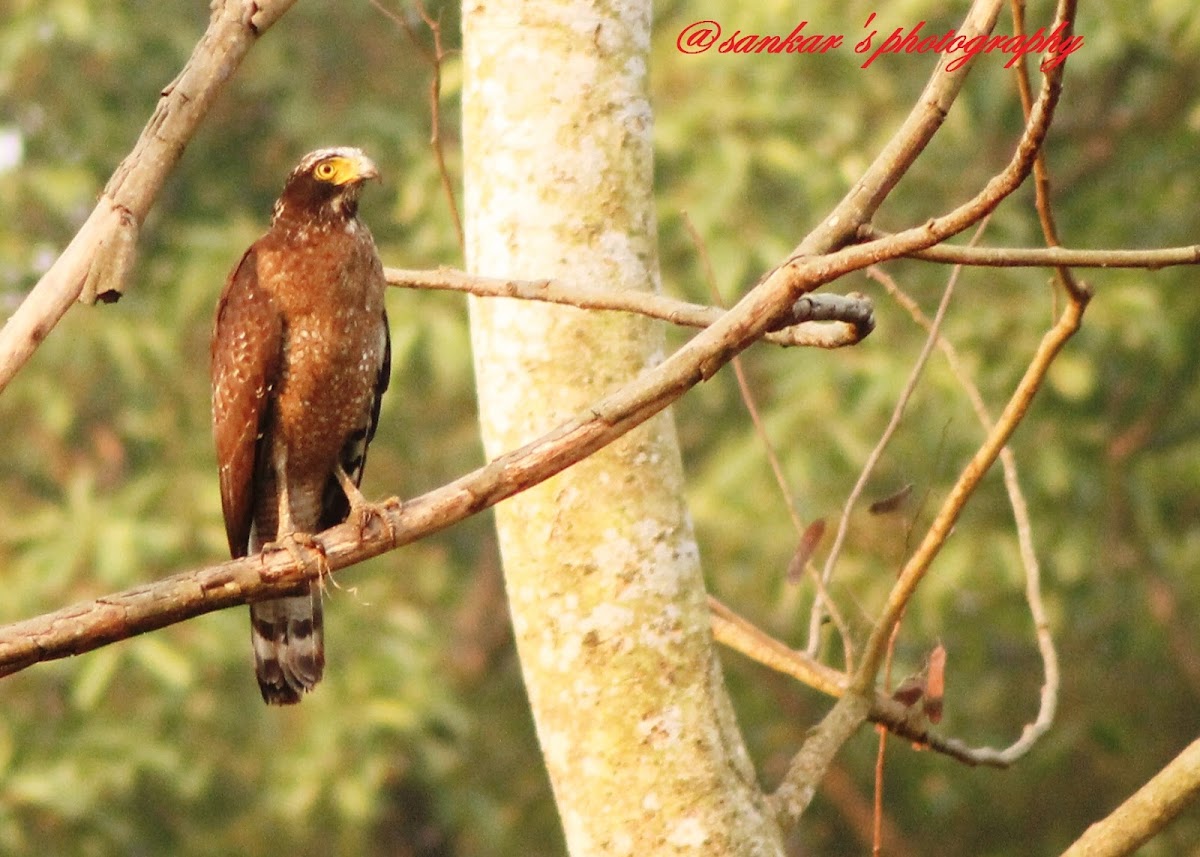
286, 535
362, 509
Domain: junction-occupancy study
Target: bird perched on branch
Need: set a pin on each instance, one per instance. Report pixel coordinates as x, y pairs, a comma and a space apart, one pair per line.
300, 359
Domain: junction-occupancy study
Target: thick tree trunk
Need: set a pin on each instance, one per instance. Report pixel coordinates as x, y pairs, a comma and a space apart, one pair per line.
601, 563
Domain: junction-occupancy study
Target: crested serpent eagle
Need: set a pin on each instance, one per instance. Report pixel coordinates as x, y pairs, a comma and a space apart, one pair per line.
300, 359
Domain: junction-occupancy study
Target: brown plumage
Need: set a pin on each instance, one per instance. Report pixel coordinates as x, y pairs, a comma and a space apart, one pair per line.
300, 359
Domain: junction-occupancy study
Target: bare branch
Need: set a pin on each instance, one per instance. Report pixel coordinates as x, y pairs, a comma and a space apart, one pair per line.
742, 635
1041, 173
98, 259
808, 766
1146, 812
1049, 257
817, 321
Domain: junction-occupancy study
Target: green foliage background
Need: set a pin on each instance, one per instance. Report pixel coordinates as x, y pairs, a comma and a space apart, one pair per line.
419, 741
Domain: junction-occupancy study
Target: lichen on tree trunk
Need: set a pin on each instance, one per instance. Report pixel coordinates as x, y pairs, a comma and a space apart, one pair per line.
601, 563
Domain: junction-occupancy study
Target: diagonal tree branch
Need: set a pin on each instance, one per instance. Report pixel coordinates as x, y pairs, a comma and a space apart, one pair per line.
98, 259
808, 766
1146, 811
90, 625
434, 57
135, 611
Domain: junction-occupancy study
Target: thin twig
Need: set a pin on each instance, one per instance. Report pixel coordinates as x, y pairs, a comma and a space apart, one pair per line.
816, 619
881, 751
1048, 257
773, 459
747, 394
877, 804
434, 58
1041, 173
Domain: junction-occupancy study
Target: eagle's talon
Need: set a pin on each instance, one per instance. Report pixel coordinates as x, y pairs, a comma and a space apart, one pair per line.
363, 510
365, 514
302, 547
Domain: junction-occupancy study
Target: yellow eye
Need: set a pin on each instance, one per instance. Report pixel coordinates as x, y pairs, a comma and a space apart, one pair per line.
325, 170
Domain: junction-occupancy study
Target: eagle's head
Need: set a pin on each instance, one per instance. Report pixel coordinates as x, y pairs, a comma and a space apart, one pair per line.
325, 185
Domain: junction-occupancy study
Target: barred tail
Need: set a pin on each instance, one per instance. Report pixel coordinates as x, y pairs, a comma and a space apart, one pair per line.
289, 646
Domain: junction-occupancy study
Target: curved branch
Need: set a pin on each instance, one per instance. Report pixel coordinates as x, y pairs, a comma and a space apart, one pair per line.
98, 259
1048, 702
